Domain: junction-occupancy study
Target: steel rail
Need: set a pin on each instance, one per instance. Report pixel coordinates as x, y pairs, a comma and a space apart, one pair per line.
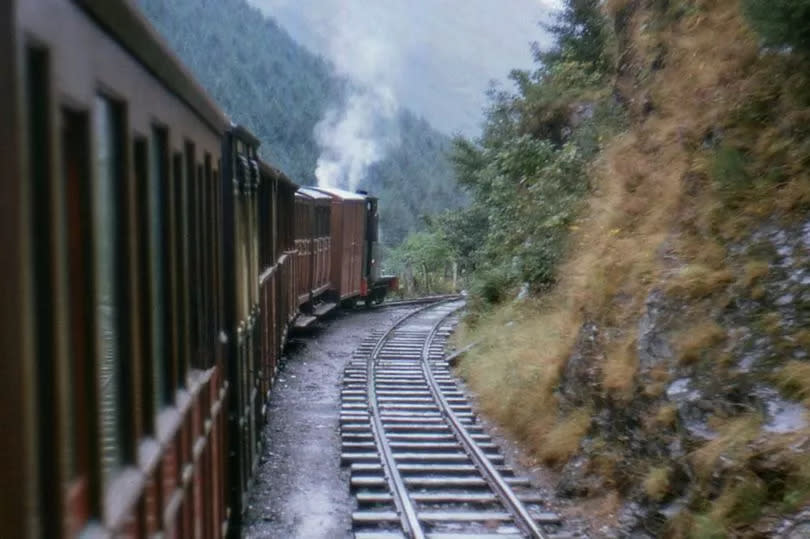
405, 507
521, 515
433, 300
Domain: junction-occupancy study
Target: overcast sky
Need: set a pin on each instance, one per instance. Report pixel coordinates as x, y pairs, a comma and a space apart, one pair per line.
435, 57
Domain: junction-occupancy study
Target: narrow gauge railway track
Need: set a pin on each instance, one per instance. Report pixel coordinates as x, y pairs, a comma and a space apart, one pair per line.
421, 465
415, 301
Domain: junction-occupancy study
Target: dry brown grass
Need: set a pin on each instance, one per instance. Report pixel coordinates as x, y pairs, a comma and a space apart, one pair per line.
757, 293
613, 7
517, 364
657, 380
656, 483
732, 443
619, 371
797, 492
696, 281
741, 501
561, 442
698, 339
794, 380
753, 272
614, 252
643, 214
802, 338
771, 323
665, 416
605, 462
747, 490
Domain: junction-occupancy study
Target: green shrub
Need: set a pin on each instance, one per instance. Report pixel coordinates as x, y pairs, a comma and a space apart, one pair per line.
729, 169
492, 286
705, 527
781, 22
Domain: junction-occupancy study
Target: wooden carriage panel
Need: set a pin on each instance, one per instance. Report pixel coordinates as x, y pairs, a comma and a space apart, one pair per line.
178, 403
83, 62
346, 241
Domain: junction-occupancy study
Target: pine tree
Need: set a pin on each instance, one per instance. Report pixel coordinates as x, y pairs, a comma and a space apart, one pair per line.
582, 34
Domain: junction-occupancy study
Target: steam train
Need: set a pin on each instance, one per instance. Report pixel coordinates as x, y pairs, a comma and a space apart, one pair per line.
152, 268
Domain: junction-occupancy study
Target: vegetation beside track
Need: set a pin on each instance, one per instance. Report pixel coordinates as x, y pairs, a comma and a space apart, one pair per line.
648, 189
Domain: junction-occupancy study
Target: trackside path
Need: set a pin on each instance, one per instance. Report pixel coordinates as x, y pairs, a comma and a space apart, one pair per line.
300, 490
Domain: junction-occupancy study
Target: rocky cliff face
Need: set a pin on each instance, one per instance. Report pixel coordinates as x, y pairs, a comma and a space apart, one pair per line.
680, 323
722, 418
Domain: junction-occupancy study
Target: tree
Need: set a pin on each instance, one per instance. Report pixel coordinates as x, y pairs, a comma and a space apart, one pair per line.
582, 34
424, 259
781, 22
527, 173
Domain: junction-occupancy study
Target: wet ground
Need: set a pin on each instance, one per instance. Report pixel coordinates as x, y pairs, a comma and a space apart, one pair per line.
300, 490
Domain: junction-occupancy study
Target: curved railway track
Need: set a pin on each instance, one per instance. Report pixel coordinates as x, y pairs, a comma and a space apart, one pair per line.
421, 464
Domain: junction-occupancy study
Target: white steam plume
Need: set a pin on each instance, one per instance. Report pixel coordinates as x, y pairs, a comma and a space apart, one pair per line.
361, 130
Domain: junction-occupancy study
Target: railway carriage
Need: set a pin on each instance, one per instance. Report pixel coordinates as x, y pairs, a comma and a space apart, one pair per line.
303, 238
320, 243
133, 317
114, 258
278, 301
151, 270
348, 230
312, 242
243, 318
355, 272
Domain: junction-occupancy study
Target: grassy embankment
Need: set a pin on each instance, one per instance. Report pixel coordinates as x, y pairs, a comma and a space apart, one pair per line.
718, 142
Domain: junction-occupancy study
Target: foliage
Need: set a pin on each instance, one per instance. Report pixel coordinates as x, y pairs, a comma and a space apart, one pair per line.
728, 168
530, 191
781, 22
526, 175
280, 91
715, 154
414, 180
489, 287
465, 232
423, 249
424, 263
583, 35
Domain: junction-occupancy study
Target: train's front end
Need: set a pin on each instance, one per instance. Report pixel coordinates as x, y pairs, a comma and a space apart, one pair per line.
375, 284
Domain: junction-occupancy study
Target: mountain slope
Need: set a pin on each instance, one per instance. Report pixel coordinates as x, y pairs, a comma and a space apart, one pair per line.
280, 91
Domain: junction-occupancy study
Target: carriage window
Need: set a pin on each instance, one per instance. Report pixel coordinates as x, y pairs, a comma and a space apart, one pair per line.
139, 282
266, 202
208, 262
373, 229
253, 244
200, 245
241, 240
42, 262
107, 297
178, 271
191, 268
75, 168
217, 248
158, 283
272, 193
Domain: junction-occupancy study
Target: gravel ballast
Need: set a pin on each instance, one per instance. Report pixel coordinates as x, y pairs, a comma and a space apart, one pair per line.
300, 490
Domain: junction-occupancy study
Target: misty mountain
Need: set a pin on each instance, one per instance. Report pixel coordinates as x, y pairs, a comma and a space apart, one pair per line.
438, 56
280, 91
